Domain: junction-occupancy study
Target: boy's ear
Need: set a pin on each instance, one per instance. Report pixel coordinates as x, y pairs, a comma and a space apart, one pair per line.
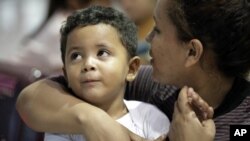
134, 64
195, 51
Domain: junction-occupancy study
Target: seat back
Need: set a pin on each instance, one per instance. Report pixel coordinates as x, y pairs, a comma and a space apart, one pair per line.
11, 126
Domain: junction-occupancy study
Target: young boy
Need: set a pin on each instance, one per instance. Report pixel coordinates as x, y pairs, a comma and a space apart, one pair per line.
98, 48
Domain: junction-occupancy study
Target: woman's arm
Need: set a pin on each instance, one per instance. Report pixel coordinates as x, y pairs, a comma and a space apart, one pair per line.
46, 106
46, 100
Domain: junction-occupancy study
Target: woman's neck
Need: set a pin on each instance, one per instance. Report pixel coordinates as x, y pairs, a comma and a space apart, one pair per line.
214, 89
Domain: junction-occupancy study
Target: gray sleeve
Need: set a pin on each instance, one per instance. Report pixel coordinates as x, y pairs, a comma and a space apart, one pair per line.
56, 137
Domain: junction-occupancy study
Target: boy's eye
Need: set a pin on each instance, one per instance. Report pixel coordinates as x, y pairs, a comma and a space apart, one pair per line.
103, 53
75, 56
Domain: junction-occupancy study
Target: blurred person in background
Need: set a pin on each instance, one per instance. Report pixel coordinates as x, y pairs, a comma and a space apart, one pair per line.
39, 51
141, 12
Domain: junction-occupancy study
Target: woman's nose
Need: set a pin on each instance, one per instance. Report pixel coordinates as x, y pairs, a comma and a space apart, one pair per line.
150, 37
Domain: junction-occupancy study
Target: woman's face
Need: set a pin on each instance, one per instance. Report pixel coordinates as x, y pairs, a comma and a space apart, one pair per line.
167, 51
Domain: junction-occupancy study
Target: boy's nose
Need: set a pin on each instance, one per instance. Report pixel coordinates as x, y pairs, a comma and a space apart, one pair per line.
89, 65
88, 68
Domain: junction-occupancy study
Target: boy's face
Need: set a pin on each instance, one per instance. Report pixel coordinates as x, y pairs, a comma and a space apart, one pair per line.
96, 64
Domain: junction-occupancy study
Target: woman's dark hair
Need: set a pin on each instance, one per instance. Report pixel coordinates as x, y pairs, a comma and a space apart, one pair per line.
221, 25
95, 15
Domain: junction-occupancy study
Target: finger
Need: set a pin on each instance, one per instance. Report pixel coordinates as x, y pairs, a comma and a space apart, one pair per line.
210, 127
201, 107
194, 102
170, 134
209, 124
175, 110
192, 112
210, 112
182, 101
177, 114
175, 117
184, 108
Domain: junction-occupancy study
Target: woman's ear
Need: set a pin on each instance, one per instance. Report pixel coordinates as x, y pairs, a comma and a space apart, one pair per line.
195, 51
134, 64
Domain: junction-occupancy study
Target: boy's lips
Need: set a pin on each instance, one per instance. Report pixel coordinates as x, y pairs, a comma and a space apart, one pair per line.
90, 83
90, 80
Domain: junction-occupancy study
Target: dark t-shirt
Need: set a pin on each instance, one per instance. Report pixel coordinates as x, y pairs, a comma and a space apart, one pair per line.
235, 109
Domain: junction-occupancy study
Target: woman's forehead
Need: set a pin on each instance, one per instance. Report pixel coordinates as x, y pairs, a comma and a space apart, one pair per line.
160, 9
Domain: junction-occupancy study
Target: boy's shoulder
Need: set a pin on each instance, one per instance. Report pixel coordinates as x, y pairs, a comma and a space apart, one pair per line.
148, 118
134, 105
144, 110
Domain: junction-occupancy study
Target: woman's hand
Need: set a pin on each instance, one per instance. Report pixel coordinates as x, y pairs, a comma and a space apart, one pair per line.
202, 110
186, 125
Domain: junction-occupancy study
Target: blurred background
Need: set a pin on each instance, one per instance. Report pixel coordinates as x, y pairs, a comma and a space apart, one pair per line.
19, 18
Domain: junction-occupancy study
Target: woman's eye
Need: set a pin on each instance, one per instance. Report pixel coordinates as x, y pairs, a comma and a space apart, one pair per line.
156, 30
103, 53
75, 56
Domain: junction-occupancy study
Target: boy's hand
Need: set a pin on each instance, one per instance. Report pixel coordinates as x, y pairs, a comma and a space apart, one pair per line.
186, 126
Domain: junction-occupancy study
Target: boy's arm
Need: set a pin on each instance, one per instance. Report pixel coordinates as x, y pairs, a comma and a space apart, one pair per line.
46, 106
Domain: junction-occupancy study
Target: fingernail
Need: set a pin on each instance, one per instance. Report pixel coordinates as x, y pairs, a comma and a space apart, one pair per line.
190, 92
205, 116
